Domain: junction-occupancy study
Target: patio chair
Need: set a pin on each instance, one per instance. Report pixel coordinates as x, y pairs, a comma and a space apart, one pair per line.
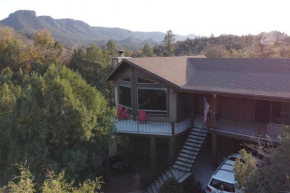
142, 117
119, 112
123, 115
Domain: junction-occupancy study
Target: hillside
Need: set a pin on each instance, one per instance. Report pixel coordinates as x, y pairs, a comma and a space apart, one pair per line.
75, 32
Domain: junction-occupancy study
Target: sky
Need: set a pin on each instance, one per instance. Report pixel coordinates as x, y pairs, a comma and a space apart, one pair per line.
199, 17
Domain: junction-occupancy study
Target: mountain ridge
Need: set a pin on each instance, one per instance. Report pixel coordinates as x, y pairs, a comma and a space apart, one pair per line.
73, 31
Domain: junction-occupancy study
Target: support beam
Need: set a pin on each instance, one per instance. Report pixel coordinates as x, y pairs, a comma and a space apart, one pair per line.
214, 150
172, 146
214, 111
153, 153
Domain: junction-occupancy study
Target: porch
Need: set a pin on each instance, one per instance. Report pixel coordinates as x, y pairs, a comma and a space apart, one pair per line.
270, 131
152, 127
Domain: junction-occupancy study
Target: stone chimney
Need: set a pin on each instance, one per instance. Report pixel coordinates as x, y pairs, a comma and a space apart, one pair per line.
117, 60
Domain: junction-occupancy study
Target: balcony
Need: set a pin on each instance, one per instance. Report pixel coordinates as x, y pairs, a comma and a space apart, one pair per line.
151, 127
265, 131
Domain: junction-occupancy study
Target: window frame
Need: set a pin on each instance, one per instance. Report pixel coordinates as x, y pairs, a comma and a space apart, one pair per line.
128, 86
155, 81
155, 112
126, 82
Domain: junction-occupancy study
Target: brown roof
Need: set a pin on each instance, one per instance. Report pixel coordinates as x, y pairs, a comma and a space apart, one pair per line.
241, 76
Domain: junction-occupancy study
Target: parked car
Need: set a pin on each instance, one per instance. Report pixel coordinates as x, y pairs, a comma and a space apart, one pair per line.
223, 180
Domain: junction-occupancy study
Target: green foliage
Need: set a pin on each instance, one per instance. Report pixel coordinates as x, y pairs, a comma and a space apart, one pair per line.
25, 181
55, 121
52, 184
169, 43
147, 50
272, 175
244, 167
171, 186
94, 66
43, 38
112, 48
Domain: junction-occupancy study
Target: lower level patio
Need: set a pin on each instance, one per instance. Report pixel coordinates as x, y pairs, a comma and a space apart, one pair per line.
152, 127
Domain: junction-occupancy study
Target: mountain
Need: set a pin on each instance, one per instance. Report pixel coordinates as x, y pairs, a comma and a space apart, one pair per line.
75, 32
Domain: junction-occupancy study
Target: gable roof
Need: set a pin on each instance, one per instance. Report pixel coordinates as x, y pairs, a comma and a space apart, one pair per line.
258, 77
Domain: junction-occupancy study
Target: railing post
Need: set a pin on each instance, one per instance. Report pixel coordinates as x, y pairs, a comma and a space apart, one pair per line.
172, 128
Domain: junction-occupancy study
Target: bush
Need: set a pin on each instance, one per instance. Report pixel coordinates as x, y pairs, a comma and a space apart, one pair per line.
171, 186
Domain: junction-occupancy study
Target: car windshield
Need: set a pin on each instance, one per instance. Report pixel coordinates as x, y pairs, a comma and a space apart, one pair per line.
220, 185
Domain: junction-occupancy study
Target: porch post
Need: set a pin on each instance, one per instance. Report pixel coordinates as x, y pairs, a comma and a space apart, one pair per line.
133, 94
171, 150
214, 112
153, 153
214, 150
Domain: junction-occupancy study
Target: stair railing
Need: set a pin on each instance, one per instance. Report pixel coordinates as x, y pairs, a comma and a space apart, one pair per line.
161, 168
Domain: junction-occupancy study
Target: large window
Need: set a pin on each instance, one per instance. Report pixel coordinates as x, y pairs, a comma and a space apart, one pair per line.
124, 95
280, 110
154, 101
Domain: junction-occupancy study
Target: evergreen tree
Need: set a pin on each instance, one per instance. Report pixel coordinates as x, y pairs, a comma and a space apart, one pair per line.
147, 50
169, 43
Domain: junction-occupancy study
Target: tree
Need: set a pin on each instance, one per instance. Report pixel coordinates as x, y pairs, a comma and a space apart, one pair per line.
147, 50
43, 38
112, 48
52, 184
272, 172
169, 43
57, 122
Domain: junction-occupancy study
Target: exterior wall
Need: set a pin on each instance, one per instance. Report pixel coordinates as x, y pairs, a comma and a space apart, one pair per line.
237, 109
128, 70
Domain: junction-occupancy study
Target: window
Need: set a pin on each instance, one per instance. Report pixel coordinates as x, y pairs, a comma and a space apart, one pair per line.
124, 95
141, 80
153, 100
126, 79
280, 110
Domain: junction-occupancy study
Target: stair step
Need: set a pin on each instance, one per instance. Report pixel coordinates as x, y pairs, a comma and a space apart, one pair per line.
169, 174
199, 130
154, 188
181, 168
196, 137
186, 155
186, 159
149, 190
190, 148
194, 140
188, 152
192, 144
183, 164
161, 180
198, 133
158, 185
164, 176
177, 173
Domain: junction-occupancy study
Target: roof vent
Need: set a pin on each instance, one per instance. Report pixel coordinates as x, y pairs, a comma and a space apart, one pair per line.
121, 53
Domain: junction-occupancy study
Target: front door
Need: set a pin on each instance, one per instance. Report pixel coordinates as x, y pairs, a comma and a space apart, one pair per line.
262, 111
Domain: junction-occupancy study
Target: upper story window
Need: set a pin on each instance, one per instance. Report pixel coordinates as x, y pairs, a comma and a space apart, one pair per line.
126, 79
153, 100
124, 95
141, 80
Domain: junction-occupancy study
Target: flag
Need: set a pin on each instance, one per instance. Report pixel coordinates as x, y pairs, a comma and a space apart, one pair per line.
206, 109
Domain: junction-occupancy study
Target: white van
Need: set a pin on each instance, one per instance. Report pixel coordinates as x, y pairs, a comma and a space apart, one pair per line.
223, 180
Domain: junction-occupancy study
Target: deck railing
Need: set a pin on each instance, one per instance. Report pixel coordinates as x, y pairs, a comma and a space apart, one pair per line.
271, 130
152, 127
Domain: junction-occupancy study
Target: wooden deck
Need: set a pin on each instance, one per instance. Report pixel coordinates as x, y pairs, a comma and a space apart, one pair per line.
266, 131
151, 127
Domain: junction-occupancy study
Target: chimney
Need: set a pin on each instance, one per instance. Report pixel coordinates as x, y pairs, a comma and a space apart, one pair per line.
117, 60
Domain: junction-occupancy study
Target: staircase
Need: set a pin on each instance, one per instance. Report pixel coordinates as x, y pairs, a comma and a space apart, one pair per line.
182, 166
